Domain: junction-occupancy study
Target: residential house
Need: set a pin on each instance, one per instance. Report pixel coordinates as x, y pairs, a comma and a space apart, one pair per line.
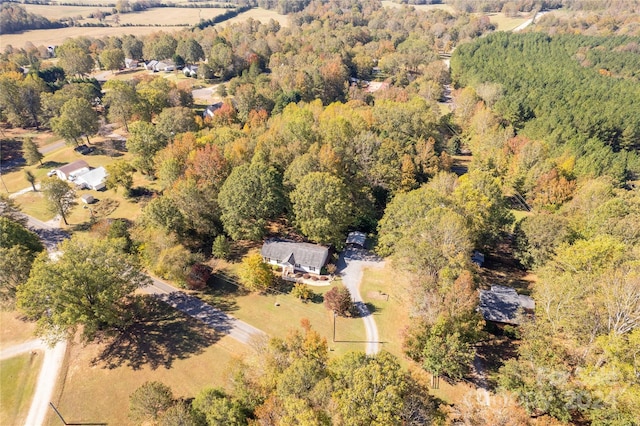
211, 110
502, 305
293, 256
71, 170
150, 65
190, 71
93, 179
130, 64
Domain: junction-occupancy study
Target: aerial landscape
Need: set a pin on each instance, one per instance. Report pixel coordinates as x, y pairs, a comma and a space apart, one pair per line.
320, 212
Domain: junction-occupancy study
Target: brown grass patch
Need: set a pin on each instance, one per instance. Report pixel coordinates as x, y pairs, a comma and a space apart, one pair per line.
167, 347
14, 329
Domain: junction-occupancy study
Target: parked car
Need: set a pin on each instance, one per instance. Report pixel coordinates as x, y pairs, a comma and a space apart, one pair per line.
84, 149
51, 173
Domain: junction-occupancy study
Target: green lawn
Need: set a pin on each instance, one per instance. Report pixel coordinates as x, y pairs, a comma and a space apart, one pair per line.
379, 290
505, 23
277, 314
18, 376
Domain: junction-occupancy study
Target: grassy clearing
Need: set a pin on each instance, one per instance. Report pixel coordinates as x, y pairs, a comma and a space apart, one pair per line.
277, 314
13, 330
421, 7
56, 12
259, 14
379, 289
505, 23
167, 347
18, 376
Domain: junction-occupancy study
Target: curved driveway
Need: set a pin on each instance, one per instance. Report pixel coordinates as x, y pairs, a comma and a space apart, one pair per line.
350, 267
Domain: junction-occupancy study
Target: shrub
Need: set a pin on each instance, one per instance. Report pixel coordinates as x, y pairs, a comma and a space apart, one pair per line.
198, 276
221, 247
302, 292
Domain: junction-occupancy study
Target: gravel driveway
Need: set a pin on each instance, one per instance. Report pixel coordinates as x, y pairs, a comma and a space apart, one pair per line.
350, 267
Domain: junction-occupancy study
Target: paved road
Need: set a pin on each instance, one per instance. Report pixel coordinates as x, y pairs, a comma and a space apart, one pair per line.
196, 308
350, 267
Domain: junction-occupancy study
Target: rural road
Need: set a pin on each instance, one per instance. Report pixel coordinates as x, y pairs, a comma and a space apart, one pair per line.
51, 236
350, 267
196, 308
51, 366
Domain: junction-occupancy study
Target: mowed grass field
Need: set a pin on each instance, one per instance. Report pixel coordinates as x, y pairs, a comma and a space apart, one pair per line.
18, 376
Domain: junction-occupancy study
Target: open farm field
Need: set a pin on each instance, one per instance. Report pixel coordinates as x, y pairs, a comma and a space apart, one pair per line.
169, 16
421, 7
259, 14
18, 377
58, 35
56, 12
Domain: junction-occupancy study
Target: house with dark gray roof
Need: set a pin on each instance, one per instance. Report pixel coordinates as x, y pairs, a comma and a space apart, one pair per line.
304, 257
503, 304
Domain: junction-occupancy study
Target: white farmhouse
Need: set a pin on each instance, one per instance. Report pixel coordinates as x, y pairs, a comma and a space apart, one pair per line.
71, 170
292, 256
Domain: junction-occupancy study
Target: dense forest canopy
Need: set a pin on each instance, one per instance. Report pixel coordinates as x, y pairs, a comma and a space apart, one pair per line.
303, 145
577, 93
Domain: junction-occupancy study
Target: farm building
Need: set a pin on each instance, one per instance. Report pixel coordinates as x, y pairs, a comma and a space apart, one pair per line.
93, 179
503, 304
304, 257
71, 170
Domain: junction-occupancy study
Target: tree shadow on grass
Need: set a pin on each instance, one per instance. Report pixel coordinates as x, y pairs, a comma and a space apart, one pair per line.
221, 292
161, 335
51, 165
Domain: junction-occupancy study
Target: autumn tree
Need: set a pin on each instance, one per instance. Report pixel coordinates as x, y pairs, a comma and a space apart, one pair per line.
338, 300
322, 208
18, 249
74, 58
112, 59
31, 152
77, 118
190, 50
120, 174
218, 408
144, 142
121, 100
254, 273
149, 401
221, 247
59, 196
173, 121
90, 285
251, 195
